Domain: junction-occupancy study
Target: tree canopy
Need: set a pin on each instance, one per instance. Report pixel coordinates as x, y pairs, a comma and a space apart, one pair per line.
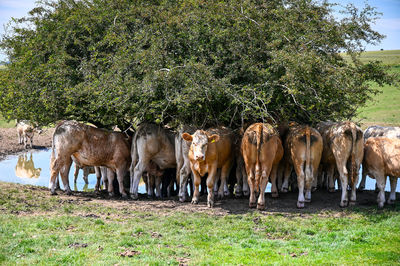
196, 62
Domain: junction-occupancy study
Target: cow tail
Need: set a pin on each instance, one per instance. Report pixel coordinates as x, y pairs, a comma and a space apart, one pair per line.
353, 156
259, 136
308, 154
134, 153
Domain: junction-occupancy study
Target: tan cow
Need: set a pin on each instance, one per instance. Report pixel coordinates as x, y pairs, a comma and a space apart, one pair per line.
381, 159
25, 167
91, 147
210, 151
343, 149
26, 130
151, 143
262, 150
303, 150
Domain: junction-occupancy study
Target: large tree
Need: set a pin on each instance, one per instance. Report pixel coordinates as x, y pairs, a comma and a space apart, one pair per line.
191, 61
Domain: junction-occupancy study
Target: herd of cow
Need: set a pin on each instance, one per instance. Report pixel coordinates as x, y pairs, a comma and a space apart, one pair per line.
260, 154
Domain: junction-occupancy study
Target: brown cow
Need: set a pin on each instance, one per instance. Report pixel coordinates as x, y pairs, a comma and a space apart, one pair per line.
91, 147
210, 151
303, 150
381, 159
26, 130
151, 143
262, 150
343, 148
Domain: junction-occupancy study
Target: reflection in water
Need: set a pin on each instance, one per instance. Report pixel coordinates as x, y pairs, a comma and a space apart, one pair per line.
26, 168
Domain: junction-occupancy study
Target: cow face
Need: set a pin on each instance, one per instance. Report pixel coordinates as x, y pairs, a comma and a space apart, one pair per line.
200, 142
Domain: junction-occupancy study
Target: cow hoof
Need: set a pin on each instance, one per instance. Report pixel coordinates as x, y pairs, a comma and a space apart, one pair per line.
274, 194
300, 205
307, 200
195, 201
238, 194
313, 189
380, 205
68, 192
360, 189
331, 190
182, 199
389, 201
260, 206
284, 190
344, 203
246, 193
53, 193
124, 196
220, 195
352, 203
252, 205
111, 194
134, 196
210, 204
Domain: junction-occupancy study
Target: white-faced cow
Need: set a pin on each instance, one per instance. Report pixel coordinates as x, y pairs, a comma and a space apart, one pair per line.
378, 131
210, 152
91, 147
343, 149
151, 143
303, 150
381, 159
26, 130
262, 150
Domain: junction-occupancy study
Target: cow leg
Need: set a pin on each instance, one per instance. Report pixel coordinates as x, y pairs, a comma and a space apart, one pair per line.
98, 178
19, 138
329, 176
251, 181
300, 182
263, 184
217, 178
54, 170
150, 186
239, 181
31, 139
76, 173
353, 195
64, 175
224, 173
381, 183
158, 187
135, 177
361, 187
274, 188
343, 175
393, 184
184, 174
287, 170
246, 190
120, 177
197, 181
110, 177
103, 171
211, 180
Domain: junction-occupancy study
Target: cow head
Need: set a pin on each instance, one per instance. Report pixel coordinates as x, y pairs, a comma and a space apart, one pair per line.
199, 143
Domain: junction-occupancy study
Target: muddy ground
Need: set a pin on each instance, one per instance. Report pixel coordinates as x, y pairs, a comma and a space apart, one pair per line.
322, 201
9, 141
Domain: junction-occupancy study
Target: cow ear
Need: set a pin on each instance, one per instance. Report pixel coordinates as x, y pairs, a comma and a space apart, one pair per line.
187, 137
213, 138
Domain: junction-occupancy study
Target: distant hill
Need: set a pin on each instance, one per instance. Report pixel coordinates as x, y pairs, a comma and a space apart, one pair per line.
389, 57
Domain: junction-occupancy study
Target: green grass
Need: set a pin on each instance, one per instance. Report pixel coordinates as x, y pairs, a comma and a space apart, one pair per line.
384, 109
6, 124
389, 57
38, 229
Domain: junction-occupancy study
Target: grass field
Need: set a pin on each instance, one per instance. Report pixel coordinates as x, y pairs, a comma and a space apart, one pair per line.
6, 124
389, 57
36, 228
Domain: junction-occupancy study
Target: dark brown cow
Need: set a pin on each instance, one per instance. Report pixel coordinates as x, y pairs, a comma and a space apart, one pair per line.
91, 147
209, 151
343, 149
381, 159
262, 150
151, 143
303, 150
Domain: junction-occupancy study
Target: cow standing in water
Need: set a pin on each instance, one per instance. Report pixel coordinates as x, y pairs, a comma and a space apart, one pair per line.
343, 149
262, 150
381, 159
303, 150
91, 147
209, 151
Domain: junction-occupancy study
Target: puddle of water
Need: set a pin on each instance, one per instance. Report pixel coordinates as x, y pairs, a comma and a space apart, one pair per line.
33, 168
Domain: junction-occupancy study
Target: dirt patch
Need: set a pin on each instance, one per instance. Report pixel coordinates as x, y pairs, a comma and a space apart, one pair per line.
9, 141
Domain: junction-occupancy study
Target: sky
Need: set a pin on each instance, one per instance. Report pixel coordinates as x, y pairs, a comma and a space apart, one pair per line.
388, 24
